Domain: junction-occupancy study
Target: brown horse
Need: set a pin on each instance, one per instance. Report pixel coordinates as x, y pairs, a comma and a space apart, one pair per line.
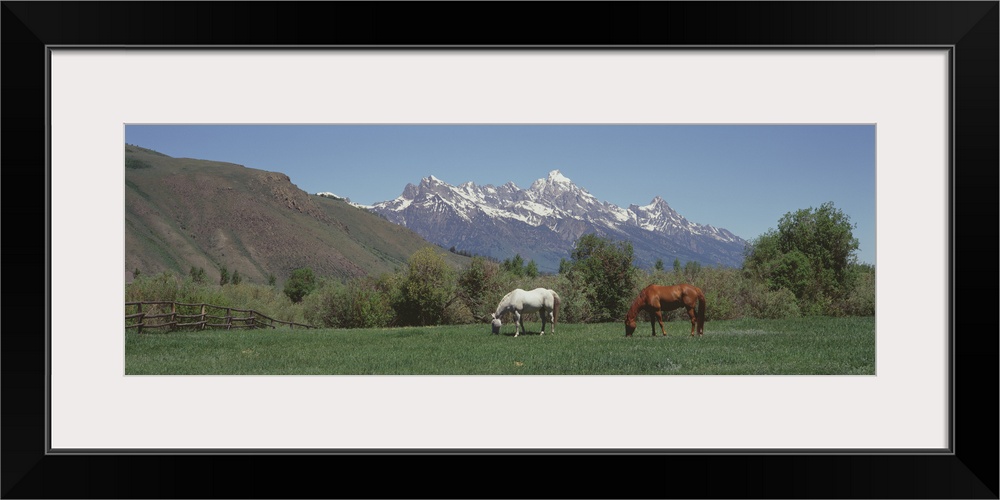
656, 298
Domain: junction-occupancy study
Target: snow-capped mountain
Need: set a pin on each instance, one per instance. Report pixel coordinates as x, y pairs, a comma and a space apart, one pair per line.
544, 221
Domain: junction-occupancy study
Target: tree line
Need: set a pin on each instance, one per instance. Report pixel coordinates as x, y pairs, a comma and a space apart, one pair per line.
806, 266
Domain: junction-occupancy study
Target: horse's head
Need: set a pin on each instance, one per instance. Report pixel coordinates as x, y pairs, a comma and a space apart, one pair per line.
629, 326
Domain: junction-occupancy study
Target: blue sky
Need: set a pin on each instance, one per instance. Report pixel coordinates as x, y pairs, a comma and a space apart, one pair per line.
743, 178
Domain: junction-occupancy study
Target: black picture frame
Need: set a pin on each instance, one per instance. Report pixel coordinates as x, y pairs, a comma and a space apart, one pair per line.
969, 28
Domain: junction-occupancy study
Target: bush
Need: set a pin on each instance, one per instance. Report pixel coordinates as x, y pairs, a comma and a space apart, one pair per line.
165, 287
762, 302
861, 300
300, 283
357, 304
426, 290
604, 270
722, 287
480, 287
197, 274
135, 163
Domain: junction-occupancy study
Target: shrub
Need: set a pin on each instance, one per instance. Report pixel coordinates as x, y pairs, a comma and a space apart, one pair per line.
605, 271
162, 286
300, 283
480, 287
197, 274
574, 296
321, 307
861, 300
426, 290
762, 302
366, 305
135, 163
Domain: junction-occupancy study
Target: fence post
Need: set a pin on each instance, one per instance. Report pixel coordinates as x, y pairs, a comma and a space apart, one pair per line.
229, 319
142, 317
202, 318
173, 315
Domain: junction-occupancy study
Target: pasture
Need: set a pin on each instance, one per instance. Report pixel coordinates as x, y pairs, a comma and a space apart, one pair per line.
802, 346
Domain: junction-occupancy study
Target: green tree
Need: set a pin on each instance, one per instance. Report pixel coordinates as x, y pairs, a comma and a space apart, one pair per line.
531, 270
677, 266
659, 265
514, 266
564, 265
606, 271
223, 276
691, 269
812, 254
197, 274
427, 290
271, 279
301, 283
479, 286
236, 279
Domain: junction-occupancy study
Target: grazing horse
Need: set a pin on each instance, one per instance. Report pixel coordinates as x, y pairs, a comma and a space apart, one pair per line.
656, 298
542, 300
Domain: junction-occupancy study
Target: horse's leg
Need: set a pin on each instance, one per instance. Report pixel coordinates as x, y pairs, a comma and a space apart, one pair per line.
659, 317
541, 314
518, 325
694, 320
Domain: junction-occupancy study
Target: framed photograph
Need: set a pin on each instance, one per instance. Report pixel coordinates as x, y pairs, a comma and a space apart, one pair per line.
922, 74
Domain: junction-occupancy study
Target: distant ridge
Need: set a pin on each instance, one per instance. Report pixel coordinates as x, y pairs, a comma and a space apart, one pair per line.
182, 213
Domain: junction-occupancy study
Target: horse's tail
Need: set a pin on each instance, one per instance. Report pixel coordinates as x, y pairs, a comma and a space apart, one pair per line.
701, 312
555, 308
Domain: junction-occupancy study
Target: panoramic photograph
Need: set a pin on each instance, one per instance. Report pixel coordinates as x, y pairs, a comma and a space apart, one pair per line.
499, 249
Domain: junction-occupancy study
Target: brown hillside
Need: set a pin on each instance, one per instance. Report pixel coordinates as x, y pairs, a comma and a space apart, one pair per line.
182, 213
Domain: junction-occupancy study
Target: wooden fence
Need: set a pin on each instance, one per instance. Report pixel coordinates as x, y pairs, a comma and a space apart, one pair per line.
176, 315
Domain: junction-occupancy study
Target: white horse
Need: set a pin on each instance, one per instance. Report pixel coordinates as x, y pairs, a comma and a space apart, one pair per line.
542, 300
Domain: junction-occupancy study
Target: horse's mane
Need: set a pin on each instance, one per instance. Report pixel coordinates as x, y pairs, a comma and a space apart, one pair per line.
505, 301
633, 311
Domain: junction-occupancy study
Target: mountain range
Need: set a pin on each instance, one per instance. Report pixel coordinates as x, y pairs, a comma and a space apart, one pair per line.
183, 213
543, 222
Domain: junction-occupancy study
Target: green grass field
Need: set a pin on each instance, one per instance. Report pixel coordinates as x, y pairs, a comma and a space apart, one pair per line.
807, 346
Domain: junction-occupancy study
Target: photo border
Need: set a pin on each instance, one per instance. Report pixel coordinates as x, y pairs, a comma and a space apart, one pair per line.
970, 28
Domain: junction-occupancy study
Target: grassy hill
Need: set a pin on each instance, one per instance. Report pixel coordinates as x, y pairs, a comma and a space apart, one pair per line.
182, 213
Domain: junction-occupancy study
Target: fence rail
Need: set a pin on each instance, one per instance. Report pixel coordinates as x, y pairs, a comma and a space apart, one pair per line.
174, 315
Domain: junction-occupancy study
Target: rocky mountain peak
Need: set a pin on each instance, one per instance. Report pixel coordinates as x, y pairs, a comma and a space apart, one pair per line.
555, 182
543, 221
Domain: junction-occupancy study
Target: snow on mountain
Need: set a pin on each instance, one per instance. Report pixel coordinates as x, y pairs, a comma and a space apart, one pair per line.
544, 221
327, 194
